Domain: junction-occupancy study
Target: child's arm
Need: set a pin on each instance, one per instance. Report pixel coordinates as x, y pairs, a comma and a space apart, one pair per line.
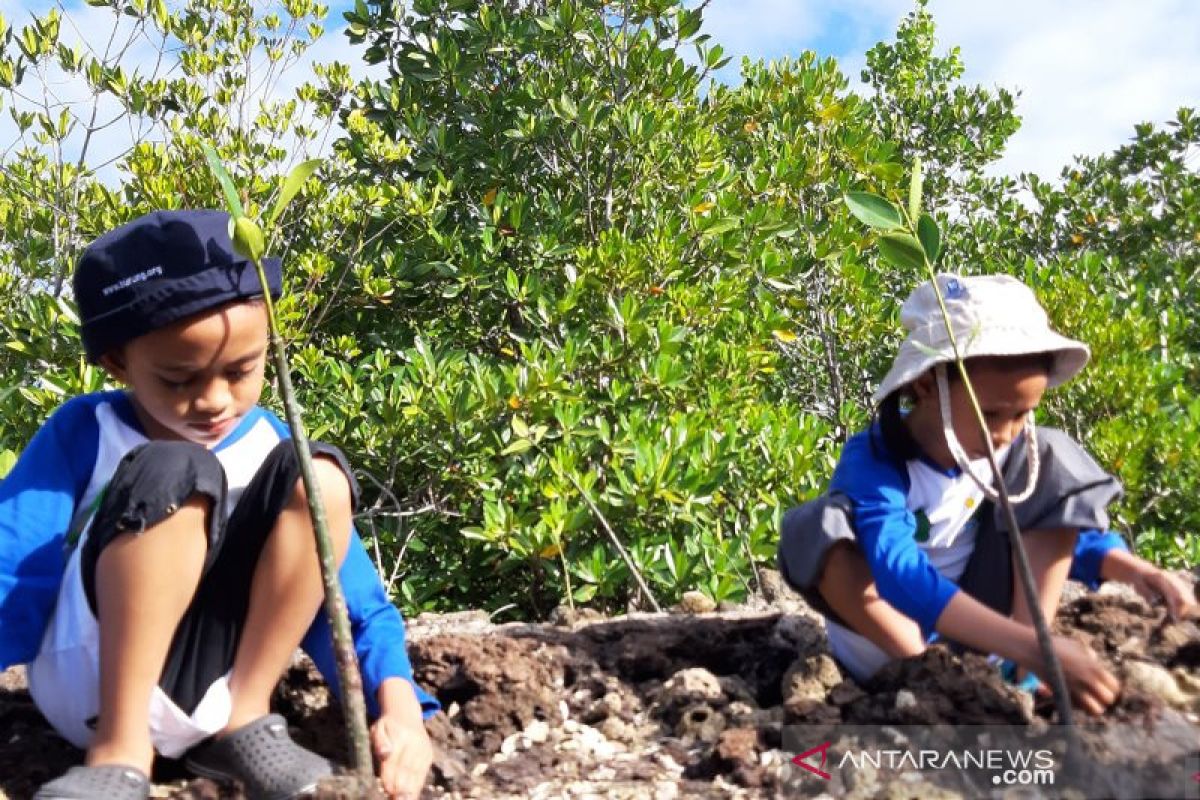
1103, 556
966, 620
884, 529
398, 736
1150, 582
399, 740
37, 503
1091, 549
907, 580
378, 631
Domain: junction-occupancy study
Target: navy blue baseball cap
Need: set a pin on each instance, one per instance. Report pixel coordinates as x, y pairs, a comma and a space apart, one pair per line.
159, 269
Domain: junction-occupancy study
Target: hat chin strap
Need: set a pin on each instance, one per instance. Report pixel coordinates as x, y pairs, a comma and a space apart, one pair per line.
960, 456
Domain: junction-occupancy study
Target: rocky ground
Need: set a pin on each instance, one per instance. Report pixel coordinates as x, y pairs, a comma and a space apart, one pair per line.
701, 704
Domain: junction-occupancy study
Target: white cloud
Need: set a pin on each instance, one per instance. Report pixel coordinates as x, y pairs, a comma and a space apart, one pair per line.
1087, 71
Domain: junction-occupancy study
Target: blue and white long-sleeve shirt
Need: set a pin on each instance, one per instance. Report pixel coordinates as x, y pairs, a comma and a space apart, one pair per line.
51, 493
915, 524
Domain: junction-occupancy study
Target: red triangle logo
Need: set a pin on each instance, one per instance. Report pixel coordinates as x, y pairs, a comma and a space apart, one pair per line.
800, 761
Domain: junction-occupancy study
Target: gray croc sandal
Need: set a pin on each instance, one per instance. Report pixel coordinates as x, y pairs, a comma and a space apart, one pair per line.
263, 757
106, 782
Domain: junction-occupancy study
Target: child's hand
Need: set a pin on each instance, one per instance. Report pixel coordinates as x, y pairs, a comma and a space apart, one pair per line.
404, 752
1092, 687
401, 745
1153, 583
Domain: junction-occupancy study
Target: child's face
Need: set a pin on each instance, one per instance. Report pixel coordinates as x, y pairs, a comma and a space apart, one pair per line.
1007, 393
196, 379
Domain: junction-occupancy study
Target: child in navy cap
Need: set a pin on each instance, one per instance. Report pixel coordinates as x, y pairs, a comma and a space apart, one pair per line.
157, 561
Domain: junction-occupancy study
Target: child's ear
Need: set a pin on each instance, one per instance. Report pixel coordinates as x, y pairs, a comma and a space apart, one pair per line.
114, 363
924, 386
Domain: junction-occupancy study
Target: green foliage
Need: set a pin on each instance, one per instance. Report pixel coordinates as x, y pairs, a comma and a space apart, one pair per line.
591, 278
1136, 406
549, 262
291, 187
922, 108
56, 193
1113, 250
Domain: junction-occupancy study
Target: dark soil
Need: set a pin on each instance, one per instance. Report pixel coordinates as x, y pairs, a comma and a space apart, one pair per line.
684, 705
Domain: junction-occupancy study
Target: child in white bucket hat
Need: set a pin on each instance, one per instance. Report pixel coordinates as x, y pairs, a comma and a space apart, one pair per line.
908, 545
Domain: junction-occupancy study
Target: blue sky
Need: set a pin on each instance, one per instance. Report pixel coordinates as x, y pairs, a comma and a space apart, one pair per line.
1087, 70
769, 29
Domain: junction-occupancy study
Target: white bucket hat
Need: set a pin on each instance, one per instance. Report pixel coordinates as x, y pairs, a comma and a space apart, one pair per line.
991, 315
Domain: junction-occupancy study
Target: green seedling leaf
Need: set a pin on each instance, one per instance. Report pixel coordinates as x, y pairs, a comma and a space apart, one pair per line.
292, 186
873, 210
248, 238
931, 238
232, 202
902, 250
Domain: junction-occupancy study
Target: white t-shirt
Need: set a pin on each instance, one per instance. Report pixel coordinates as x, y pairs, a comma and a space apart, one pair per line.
946, 504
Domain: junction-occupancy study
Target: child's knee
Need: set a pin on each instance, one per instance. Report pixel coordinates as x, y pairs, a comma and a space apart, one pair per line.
807, 534
845, 577
842, 577
336, 494
1054, 542
156, 480
334, 484
844, 563
177, 484
189, 519
187, 527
